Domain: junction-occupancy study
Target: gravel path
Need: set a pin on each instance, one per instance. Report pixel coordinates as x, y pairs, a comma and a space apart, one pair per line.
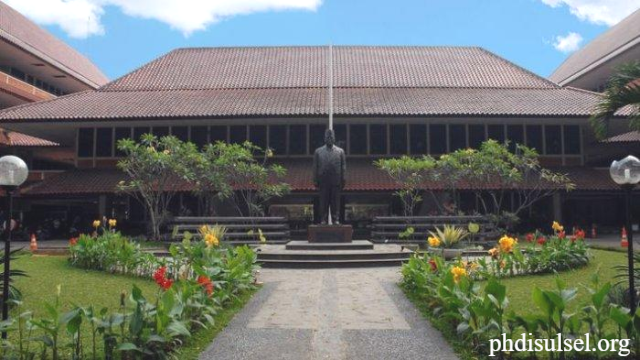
329, 314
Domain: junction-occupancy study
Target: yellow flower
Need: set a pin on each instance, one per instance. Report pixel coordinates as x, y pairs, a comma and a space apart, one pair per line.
557, 227
507, 243
96, 223
269, 153
112, 223
211, 240
434, 241
458, 272
502, 264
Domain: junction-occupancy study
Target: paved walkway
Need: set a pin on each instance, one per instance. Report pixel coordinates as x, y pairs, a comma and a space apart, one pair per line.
329, 314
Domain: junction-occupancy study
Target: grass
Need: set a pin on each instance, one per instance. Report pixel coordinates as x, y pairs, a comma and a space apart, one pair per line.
519, 293
100, 289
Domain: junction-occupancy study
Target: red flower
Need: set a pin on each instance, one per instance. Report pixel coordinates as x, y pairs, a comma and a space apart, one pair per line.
160, 277
206, 283
529, 237
73, 241
434, 265
562, 235
541, 240
580, 234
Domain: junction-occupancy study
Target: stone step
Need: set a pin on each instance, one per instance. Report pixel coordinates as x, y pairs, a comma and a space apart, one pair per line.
324, 264
332, 255
305, 245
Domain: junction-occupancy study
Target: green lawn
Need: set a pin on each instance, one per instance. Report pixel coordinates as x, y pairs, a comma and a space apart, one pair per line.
89, 287
519, 288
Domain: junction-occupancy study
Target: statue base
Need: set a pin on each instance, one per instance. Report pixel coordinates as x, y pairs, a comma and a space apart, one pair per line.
330, 233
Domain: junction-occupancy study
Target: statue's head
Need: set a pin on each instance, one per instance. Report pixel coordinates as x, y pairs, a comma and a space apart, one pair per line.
329, 138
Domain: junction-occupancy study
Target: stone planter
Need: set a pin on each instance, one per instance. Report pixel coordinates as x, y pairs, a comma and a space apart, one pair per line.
450, 254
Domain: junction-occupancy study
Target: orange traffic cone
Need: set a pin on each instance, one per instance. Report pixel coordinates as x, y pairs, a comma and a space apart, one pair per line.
34, 243
623, 240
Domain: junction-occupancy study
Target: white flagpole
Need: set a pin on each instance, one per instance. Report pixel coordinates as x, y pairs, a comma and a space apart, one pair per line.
330, 86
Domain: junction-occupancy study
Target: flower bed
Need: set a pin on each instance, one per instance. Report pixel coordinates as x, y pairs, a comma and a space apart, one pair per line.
470, 295
196, 282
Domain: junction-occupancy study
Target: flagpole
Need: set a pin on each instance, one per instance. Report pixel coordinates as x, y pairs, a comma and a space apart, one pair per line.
331, 86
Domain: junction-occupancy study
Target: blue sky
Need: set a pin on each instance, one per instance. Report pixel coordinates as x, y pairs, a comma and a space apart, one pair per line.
120, 38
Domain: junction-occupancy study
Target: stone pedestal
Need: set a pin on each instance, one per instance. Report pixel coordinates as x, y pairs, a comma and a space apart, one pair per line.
330, 233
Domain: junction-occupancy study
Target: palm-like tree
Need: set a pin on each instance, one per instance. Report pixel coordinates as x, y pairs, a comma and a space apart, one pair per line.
622, 90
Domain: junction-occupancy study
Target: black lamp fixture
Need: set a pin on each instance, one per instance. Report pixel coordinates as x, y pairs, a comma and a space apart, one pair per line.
626, 173
13, 173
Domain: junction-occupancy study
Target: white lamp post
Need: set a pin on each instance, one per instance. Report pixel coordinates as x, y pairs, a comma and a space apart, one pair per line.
626, 173
13, 172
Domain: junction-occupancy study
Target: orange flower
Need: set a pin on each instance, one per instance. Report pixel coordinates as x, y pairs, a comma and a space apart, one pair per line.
206, 283
494, 252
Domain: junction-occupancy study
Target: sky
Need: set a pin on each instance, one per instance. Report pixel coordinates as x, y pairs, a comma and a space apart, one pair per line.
122, 35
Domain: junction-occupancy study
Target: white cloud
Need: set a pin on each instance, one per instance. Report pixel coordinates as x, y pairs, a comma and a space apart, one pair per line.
568, 43
601, 12
82, 18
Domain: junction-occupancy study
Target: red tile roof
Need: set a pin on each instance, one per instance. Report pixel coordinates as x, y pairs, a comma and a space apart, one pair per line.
109, 105
21, 32
306, 67
12, 138
362, 176
292, 81
632, 136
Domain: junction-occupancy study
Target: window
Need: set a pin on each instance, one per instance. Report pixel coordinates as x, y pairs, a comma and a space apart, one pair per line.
378, 139
217, 133
534, 137
438, 139
316, 137
398, 139
476, 136
160, 131
104, 142
515, 134
258, 135
199, 136
418, 139
181, 132
341, 135
457, 137
85, 143
496, 132
358, 139
278, 139
139, 131
237, 134
553, 140
121, 133
571, 139
297, 139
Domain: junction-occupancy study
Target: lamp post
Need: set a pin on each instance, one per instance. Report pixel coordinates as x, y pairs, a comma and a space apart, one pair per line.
13, 172
626, 173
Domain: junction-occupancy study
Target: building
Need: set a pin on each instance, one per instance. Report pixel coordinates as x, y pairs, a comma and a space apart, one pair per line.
388, 101
36, 66
590, 67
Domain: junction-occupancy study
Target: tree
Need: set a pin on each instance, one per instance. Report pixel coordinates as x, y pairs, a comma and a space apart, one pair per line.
410, 174
493, 172
623, 89
157, 169
255, 181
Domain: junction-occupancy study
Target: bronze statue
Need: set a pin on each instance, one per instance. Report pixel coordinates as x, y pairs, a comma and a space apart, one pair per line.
329, 172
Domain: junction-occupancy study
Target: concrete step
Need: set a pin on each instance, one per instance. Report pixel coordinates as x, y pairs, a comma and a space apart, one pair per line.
305, 245
332, 255
323, 264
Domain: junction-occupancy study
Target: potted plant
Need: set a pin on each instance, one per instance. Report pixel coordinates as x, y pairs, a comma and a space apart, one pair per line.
448, 239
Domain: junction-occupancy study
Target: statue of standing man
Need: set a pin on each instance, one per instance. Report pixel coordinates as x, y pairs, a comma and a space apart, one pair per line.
329, 172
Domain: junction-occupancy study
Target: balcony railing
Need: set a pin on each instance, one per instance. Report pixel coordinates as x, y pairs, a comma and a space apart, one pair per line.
22, 89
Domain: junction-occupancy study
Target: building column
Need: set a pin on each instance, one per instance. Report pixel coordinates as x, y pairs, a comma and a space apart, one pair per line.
557, 207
